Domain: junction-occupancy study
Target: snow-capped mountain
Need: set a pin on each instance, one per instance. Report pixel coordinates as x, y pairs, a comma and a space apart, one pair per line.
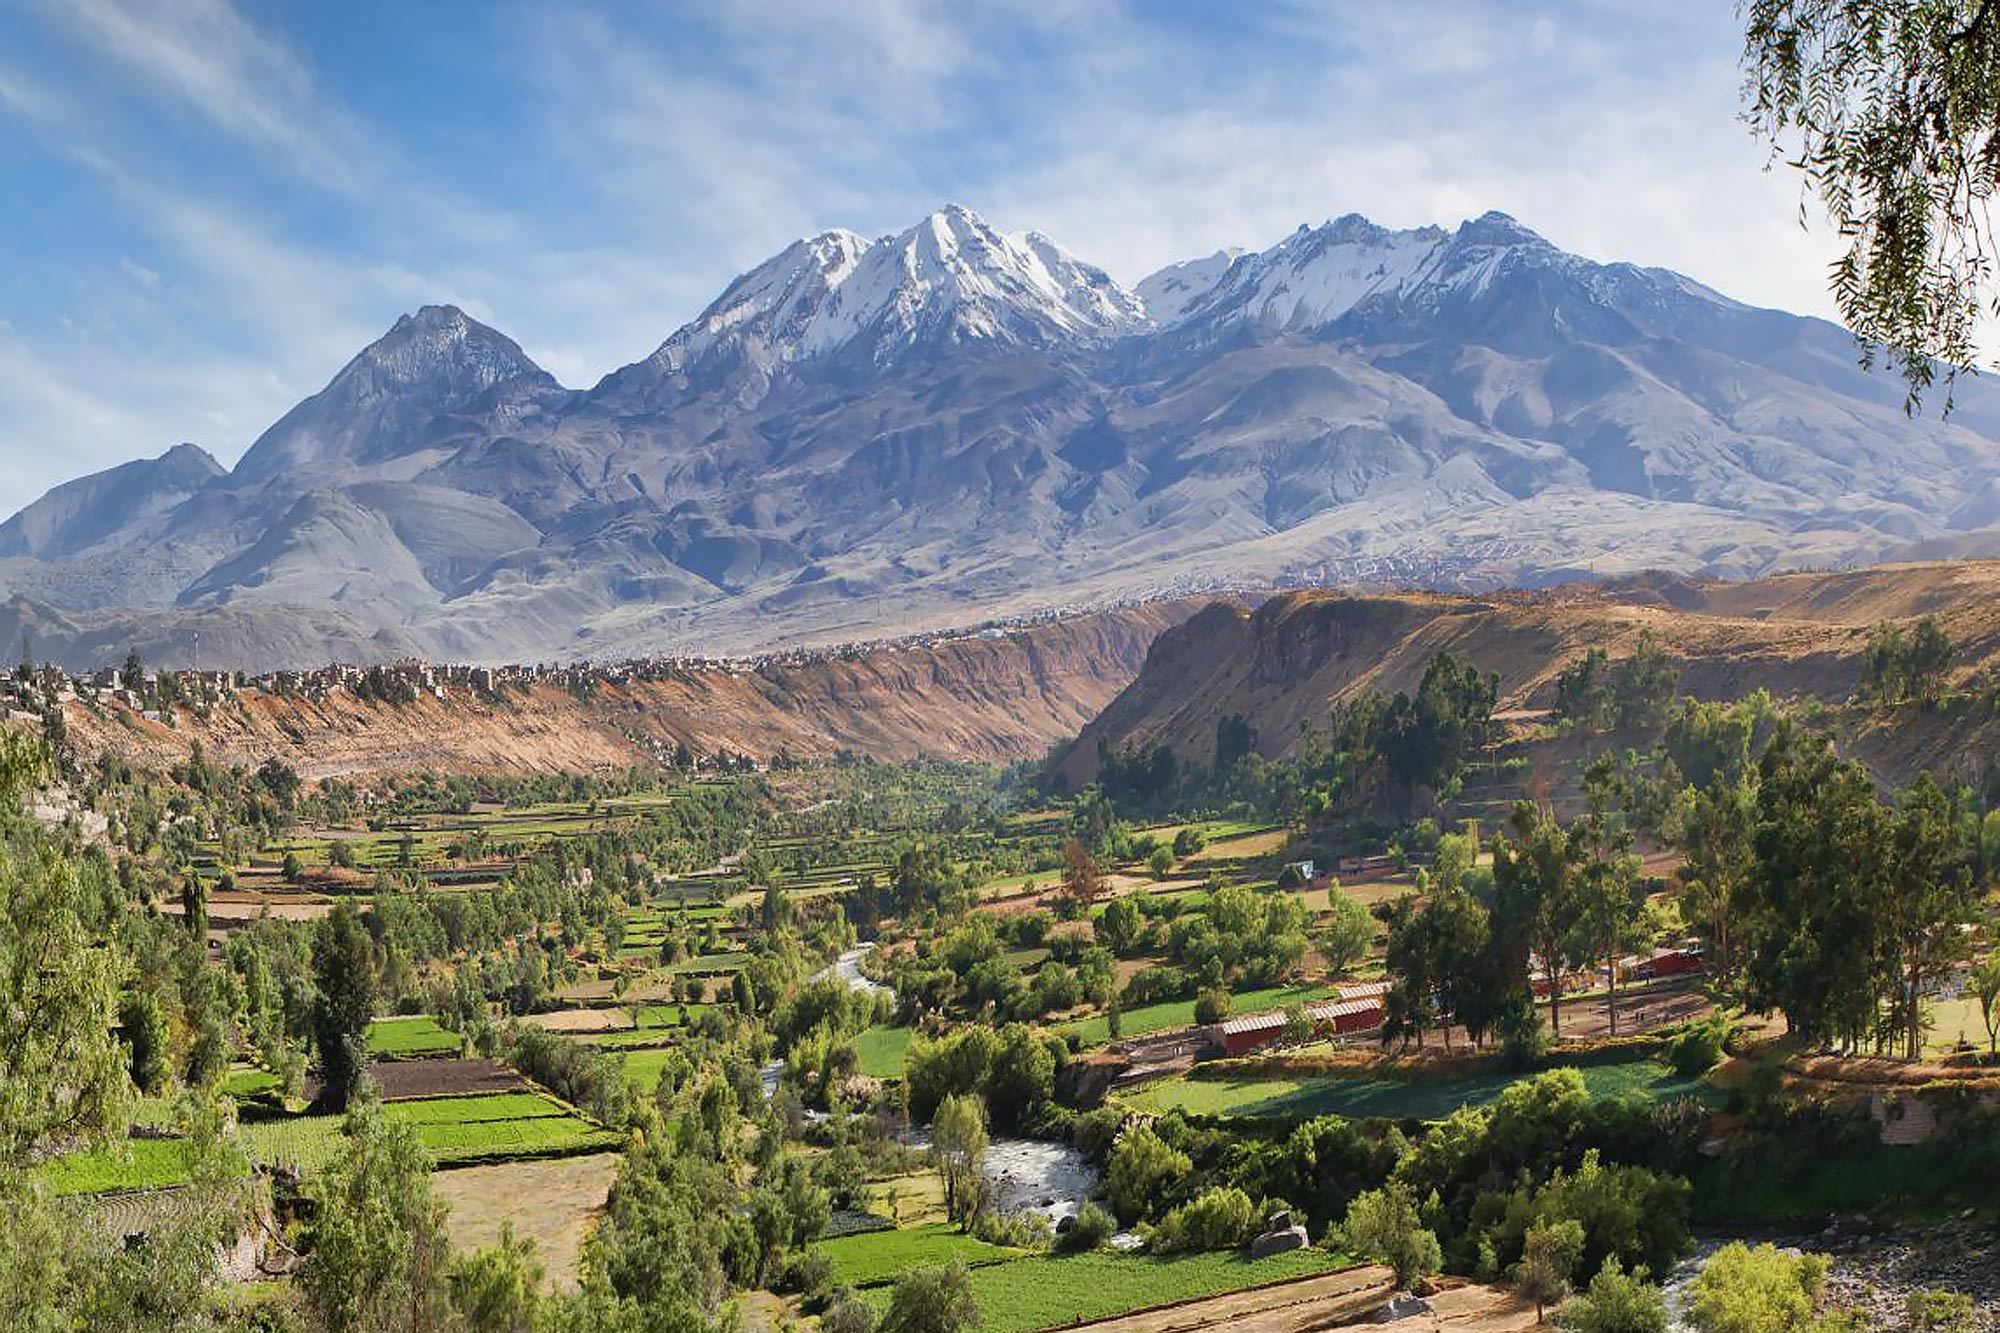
866, 436
951, 279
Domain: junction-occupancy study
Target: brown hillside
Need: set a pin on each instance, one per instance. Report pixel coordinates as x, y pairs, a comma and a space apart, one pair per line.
1004, 697
1288, 661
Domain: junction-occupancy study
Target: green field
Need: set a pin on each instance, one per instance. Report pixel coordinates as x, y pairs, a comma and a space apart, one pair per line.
1047, 1292
871, 1257
642, 1068
455, 1131
1394, 1099
418, 1035
882, 1051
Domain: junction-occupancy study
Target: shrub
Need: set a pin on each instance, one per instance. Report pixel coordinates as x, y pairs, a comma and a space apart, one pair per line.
1091, 1228
1160, 862
1615, 1302
932, 1300
846, 1312
1216, 1219
1211, 1006
1697, 1048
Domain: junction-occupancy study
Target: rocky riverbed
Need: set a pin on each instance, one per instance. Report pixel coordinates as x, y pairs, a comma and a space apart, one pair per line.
1877, 1271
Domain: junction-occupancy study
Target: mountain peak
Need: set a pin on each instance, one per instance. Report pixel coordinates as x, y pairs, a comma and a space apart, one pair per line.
435, 360
951, 279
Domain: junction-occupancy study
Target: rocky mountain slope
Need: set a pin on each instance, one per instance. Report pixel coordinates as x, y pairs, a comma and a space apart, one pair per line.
951, 423
1289, 661
994, 696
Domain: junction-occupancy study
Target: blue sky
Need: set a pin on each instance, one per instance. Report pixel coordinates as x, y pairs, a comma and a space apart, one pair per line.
214, 203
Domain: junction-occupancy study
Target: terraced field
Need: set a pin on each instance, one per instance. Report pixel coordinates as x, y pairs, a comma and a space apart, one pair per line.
454, 1130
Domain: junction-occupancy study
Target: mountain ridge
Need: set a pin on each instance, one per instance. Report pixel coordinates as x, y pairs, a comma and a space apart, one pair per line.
950, 423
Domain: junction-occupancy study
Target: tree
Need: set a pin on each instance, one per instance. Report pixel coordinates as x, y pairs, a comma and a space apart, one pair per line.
1930, 893
498, 1290
1160, 862
1141, 1165
1537, 874
1888, 108
1760, 1290
1615, 1302
1082, 880
1986, 989
1716, 826
293, 867
1118, 925
344, 971
1348, 933
932, 1300
1384, 1225
62, 1067
958, 1146
1549, 1257
1211, 1006
377, 1247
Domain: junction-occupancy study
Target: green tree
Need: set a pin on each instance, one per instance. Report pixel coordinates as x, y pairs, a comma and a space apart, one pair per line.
1888, 108
1615, 1302
63, 1070
1549, 1256
1384, 1225
1986, 989
932, 1300
378, 1256
344, 973
1929, 893
1537, 881
498, 1290
958, 1146
1141, 1165
1349, 932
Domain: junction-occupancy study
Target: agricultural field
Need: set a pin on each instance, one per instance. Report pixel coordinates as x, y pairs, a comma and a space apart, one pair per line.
414, 1037
870, 1258
1250, 1097
1044, 1292
552, 1202
453, 1130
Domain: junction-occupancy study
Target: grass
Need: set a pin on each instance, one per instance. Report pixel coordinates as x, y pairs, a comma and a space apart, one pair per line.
454, 1130
136, 1164
415, 1036
1047, 1292
882, 1051
642, 1068
870, 1258
1393, 1099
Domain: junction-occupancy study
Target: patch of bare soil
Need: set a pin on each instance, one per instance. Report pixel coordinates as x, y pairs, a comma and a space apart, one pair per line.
553, 1203
406, 1080
579, 1020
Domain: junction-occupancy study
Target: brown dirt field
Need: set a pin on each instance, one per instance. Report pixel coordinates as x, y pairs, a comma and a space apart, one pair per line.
1330, 1302
1639, 1011
404, 1080
579, 1020
553, 1203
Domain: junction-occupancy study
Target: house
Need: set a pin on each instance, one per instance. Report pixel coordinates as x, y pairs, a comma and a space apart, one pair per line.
1242, 1035
1347, 1017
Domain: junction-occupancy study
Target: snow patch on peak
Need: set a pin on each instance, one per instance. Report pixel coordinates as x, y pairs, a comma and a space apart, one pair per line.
1171, 292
